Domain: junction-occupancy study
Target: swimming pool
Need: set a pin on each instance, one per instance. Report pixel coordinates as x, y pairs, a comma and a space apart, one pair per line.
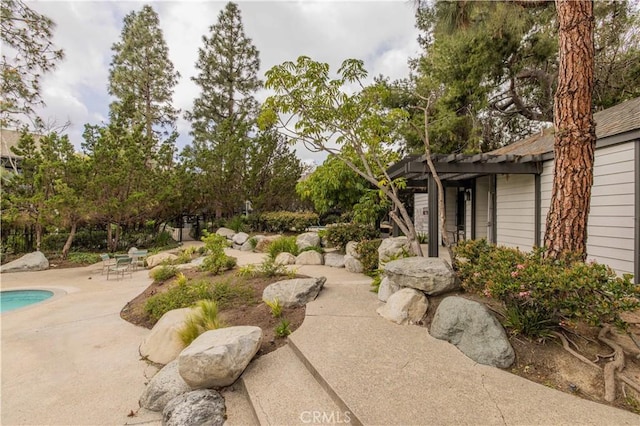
14, 299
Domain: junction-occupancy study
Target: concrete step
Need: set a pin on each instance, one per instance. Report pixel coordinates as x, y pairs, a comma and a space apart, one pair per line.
283, 391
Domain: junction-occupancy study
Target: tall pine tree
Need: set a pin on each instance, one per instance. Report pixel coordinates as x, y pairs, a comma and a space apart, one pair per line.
142, 77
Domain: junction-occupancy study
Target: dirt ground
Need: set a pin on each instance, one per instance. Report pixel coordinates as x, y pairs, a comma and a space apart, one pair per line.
250, 312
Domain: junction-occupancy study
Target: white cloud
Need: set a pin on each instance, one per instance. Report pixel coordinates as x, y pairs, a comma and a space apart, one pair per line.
381, 33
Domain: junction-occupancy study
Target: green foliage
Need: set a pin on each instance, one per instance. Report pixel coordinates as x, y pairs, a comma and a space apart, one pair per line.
423, 238
283, 221
275, 306
377, 280
282, 329
84, 258
542, 291
204, 319
529, 321
237, 223
340, 234
164, 272
269, 267
368, 252
254, 242
313, 248
283, 245
217, 261
247, 271
181, 295
228, 294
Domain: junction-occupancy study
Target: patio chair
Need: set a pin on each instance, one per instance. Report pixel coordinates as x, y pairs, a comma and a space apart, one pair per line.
122, 266
106, 262
138, 257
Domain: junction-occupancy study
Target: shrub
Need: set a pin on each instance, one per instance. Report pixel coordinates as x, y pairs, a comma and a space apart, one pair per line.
164, 272
543, 293
275, 306
283, 245
217, 261
181, 295
229, 295
282, 329
340, 234
269, 268
204, 319
237, 223
84, 258
283, 221
368, 252
246, 271
313, 248
377, 280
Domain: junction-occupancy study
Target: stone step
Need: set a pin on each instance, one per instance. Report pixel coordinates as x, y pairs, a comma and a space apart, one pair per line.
283, 391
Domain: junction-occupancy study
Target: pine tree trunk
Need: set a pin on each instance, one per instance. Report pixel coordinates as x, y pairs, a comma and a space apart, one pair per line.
67, 244
574, 144
38, 236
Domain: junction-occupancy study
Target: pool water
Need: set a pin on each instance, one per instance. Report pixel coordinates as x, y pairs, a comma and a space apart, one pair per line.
14, 299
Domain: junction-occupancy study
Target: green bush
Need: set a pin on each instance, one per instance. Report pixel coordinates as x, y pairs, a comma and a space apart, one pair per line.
269, 268
313, 248
181, 295
284, 221
543, 293
205, 318
339, 235
283, 245
237, 223
283, 329
164, 272
217, 260
368, 252
83, 258
227, 294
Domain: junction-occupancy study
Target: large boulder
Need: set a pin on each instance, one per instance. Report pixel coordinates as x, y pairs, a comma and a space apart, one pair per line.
391, 249
296, 292
35, 261
308, 239
405, 306
198, 408
163, 344
263, 244
309, 257
351, 249
352, 264
163, 387
472, 328
216, 358
247, 246
160, 258
386, 289
429, 274
335, 260
240, 238
226, 232
285, 258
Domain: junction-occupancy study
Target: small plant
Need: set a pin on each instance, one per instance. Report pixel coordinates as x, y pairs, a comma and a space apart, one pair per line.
246, 271
283, 245
254, 242
181, 279
368, 252
204, 319
529, 322
275, 306
183, 257
181, 295
163, 273
217, 261
269, 268
228, 295
423, 238
237, 223
282, 329
313, 248
377, 280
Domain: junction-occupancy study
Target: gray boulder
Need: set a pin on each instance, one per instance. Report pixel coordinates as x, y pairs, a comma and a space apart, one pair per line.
308, 239
472, 328
217, 357
226, 232
335, 260
246, 246
352, 264
386, 289
240, 238
160, 258
163, 387
406, 306
351, 249
35, 261
296, 292
392, 248
285, 258
198, 408
163, 344
431, 275
309, 257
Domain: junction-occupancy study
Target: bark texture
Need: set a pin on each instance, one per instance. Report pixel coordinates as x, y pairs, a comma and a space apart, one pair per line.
574, 144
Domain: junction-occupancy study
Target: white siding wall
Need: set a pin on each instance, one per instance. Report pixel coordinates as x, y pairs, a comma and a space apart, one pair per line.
546, 186
482, 206
450, 208
421, 206
467, 219
515, 211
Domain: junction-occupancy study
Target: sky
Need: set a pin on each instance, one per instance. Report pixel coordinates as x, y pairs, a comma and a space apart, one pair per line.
381, 33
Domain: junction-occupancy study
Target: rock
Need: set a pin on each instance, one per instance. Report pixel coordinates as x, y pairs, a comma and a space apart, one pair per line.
352, 249
296, 292
35, 261
246, 246
226, 232
335, 260
309, 257
386, 289
285, 258
216, 358
392, 248
352, 264
240, 238
308, 239
157, 259
162, 345
236, 246
429, 274
163, 387
264, 243
474, 330
405, 306
197, 408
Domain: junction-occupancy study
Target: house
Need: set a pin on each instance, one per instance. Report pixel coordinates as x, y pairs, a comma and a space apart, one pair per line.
504, 195
9, 160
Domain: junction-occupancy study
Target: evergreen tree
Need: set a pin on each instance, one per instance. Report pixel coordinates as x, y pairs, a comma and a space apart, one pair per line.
142, 77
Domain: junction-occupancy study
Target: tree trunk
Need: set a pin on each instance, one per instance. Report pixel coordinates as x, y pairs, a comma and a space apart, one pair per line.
38, 236
67, 244
574, 144
110, 238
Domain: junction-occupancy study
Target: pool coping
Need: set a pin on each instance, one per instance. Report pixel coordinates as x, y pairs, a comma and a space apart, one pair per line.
57, 294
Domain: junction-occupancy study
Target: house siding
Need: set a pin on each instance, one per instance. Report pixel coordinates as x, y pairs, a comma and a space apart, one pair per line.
515, 211
420, 206
482, 206
450, 209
